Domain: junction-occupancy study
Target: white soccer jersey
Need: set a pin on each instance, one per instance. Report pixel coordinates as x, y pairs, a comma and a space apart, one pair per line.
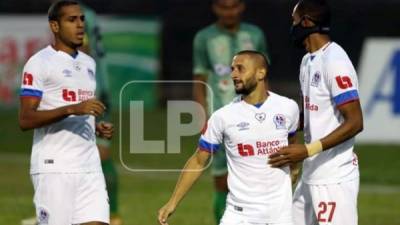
59, 79
328, 80
250, 134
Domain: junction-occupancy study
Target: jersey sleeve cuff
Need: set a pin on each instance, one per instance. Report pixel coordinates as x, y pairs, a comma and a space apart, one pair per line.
208, 147
346, 97
25, 92
291, 134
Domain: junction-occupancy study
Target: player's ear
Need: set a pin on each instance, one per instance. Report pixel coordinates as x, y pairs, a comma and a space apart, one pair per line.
261, 74
307, 22
54, 26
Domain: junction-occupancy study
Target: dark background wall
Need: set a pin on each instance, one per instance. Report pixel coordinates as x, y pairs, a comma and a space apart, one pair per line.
353, 21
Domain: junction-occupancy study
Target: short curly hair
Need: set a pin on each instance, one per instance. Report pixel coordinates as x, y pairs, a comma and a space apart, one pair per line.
54, 12
317, 10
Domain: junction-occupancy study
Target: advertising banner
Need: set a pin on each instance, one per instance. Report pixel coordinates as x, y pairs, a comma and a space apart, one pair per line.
379, 74
131, 53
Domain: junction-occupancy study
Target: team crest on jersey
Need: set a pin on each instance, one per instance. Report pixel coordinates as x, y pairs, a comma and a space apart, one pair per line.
260, 117
243, 126
91, 74
280, 121
77, 66
67, 73
43, 216
316, 79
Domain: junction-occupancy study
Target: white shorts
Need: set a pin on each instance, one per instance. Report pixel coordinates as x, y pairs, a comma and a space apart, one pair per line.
231, 217
329, 204
65, 199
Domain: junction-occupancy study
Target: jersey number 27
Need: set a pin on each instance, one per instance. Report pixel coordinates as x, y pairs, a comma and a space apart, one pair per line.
325, 214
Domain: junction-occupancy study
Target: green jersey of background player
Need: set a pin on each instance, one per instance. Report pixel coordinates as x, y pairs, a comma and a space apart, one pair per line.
213, 49
93, 46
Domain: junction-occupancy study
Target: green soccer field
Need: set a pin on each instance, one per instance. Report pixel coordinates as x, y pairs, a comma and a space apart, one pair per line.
143, 193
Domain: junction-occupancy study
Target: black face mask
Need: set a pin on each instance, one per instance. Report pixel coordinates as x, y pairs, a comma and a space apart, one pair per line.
299, 33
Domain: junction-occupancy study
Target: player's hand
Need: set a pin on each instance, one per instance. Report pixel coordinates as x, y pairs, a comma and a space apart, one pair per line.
288, 155
165, 212
89, 107
104, 130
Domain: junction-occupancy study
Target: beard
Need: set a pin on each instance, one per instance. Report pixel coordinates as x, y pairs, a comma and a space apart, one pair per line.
245, 89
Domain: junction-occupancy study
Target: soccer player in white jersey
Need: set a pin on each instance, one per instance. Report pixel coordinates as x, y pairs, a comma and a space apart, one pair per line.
58, 102
252, 127
327, 192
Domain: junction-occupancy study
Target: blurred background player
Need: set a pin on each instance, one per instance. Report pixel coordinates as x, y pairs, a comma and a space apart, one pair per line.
251, 127
213, 49
328, 190
92, 45
58, 102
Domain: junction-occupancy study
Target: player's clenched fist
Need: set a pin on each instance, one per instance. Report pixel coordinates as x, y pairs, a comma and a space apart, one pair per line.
92, 107
164, 213
104, 130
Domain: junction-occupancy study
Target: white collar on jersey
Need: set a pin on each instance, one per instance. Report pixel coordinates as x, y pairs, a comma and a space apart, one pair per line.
64, 53
320, 50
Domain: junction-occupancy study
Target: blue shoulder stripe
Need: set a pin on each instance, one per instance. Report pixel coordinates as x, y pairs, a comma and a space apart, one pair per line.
291, 134
204, 145
346, 97
30, 92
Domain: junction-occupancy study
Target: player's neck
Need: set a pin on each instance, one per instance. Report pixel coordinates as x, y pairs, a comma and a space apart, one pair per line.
316, 41
59, 46
230, 29
259, 95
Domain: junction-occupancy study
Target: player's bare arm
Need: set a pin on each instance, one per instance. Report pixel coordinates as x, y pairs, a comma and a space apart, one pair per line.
200, 92
104, 129
190, 173
30, 117
352, 125
199, 89
301, 115
294, 167
94, 223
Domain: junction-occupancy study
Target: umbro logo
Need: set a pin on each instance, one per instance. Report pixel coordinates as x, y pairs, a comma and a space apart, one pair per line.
67, 73
221, 69
243, 126
91, 74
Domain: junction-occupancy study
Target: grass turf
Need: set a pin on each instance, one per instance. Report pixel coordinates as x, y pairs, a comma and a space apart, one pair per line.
143, 193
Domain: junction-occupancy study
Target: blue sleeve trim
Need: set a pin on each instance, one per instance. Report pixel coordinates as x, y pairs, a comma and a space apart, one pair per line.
346, 97
204, 145
31, 92
291, 134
